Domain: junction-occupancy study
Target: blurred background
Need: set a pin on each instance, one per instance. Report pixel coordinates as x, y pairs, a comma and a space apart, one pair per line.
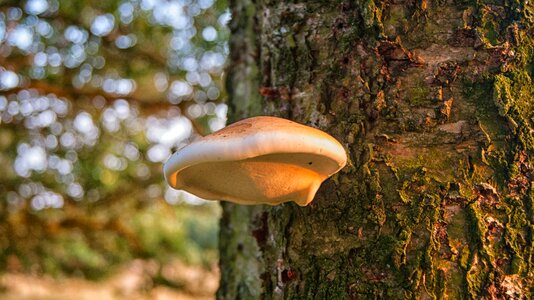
94, 97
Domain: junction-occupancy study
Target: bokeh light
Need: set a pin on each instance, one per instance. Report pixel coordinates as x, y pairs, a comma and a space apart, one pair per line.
94, 97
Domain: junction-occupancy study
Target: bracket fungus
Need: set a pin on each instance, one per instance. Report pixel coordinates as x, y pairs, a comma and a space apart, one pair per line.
260, 160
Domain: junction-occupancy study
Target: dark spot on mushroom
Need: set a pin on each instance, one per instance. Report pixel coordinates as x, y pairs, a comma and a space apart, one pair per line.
310, 163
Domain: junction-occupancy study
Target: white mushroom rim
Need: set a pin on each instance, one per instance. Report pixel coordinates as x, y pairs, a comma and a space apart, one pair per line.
261, 160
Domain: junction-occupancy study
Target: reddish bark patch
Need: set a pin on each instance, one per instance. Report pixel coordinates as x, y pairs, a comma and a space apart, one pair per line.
289, 275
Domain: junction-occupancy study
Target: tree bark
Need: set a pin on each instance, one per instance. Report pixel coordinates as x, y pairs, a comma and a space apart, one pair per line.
434, 103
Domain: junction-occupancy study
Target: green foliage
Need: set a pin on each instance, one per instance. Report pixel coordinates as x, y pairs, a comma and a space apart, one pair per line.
94, 96
189, 232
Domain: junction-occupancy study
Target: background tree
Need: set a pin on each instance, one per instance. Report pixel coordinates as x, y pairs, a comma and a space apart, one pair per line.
433, 101
94, 95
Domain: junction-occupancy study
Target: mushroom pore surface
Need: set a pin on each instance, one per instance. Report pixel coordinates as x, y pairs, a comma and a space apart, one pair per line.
268, 179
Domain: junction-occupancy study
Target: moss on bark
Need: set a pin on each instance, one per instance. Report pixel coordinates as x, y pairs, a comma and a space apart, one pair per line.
433, 101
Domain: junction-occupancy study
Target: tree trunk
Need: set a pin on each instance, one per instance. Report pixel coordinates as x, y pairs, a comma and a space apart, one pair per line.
434, 103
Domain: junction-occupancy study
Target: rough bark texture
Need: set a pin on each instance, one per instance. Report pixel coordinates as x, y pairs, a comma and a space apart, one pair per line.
434, 102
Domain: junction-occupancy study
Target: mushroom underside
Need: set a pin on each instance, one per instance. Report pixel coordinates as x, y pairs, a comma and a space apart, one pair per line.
267, 179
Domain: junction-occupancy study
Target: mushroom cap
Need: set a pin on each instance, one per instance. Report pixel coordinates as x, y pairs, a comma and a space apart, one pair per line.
260, 160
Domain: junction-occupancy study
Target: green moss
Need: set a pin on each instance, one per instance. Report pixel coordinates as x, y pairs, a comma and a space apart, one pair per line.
508, 140
441, 283
397, 19
242, 83
502, 96
476, 278
491, 33
419, 95
456, 228
372, 16
366, 220
465, 257
399, 250
517, 266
